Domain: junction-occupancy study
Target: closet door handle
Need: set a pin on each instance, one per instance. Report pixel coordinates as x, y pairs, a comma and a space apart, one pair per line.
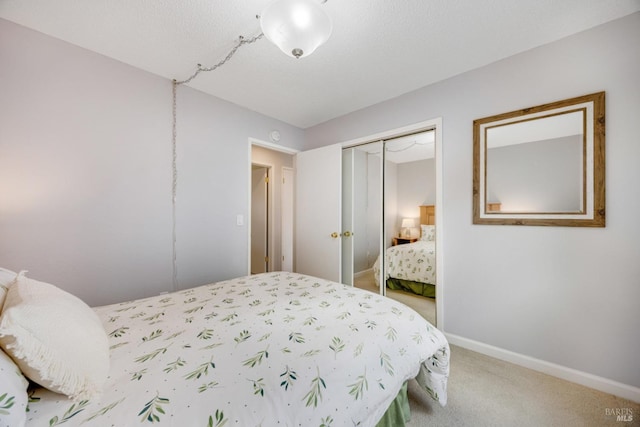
335, 235
347, 234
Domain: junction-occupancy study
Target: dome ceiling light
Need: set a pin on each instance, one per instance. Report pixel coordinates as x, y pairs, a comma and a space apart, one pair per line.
297, 27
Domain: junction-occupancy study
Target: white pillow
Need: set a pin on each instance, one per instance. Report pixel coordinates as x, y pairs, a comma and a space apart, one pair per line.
56, 339
6, 278
13, 393
427, 232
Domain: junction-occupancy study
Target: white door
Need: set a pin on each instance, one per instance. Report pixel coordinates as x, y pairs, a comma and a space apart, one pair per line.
286, 200
318, 212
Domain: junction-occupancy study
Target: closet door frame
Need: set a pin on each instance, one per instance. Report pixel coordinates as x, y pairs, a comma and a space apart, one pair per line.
436, 125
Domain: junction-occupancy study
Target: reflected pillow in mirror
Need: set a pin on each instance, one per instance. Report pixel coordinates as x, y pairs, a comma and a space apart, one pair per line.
427, 233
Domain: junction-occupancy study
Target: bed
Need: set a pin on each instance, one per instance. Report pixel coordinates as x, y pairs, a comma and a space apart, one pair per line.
412, 266
274, 348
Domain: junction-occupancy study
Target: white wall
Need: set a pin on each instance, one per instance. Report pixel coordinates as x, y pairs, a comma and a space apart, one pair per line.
564, 295
85, 173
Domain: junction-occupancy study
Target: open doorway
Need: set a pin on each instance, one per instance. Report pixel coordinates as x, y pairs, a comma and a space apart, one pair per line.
271, 208
259, 218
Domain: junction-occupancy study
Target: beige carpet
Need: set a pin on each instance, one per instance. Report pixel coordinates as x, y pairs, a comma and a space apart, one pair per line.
484, 391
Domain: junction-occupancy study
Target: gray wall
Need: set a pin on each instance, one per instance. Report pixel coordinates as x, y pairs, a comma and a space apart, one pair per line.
85, 173
540, 176
416, 187
565, 295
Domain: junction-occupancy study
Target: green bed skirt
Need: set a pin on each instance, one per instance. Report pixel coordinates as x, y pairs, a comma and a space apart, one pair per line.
424, 289
398, 413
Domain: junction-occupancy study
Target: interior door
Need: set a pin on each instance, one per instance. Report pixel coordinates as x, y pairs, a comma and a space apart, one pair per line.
318, 212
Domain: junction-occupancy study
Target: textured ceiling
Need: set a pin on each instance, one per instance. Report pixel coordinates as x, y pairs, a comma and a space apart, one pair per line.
379, 49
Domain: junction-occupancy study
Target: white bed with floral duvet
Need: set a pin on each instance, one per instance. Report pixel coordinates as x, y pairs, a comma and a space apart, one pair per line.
271, 349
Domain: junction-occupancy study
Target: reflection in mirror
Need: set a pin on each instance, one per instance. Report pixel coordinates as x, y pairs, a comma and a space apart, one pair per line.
537, 165
410, 255
409, 181
361, 213
542, 165
348, 193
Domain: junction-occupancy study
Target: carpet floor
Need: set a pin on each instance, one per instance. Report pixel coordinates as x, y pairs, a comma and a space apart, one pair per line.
484, 391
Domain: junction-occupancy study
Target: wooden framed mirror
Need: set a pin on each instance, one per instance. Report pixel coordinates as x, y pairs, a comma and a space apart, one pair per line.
542, 165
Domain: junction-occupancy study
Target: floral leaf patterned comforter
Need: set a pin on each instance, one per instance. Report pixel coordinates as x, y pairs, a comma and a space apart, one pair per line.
271, 349
413, 261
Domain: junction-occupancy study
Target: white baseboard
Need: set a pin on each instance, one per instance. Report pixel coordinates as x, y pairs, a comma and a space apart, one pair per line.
583, 378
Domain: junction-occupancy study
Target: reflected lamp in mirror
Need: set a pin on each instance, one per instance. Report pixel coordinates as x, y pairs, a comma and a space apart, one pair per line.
407, 225
542, 165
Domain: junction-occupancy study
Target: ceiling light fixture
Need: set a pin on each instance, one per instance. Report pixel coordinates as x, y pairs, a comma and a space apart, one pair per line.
297, 27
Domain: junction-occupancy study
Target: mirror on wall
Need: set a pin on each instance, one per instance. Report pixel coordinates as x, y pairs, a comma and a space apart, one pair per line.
399, 176
542, 165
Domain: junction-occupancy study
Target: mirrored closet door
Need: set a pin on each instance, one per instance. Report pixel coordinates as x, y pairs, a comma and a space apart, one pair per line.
389, 216
410, 194
361, 214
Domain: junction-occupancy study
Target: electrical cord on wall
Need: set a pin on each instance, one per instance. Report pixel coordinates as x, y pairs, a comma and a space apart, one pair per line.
174, 161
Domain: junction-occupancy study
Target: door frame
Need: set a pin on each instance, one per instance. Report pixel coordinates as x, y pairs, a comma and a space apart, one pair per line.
274, 147
436, 125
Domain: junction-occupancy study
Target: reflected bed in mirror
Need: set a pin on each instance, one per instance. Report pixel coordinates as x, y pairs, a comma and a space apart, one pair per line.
542, 165
410, 266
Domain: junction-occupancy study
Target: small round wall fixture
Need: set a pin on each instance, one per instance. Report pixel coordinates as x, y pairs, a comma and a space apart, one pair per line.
297, 27
274, 136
